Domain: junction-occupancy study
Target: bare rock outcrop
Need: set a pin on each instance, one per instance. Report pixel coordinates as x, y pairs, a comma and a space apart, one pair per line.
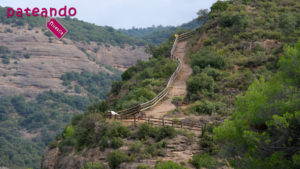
50, 58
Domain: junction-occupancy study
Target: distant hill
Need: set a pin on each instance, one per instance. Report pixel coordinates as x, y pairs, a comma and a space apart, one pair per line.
78, 30
87, 32
159, 34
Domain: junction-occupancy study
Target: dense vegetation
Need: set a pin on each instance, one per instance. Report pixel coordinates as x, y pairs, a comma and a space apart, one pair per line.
242, 44
144, 81
159, 34
240, 41
91, 130
26, 127
265, 128
77, 30
95, 85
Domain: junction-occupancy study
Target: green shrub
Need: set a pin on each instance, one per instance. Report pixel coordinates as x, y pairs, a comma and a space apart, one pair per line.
143, 92
177, 100
151, 149
8, 30
287, 23
48, 34
201, 84
129, 73
202, 161
93, 165
27, 56
169, 165
207, 141
116, 142
99, 107
196, 70
215, 73
154, 149
289, 64
144, 131
115, 159
165, 132
136, 147
209, 42
116, 87
4, 50
104, 143
77, 89
162, 144
237, 22
5, 59
69, 132
76, 119
219, 6
206, 57
205, 107
118, 130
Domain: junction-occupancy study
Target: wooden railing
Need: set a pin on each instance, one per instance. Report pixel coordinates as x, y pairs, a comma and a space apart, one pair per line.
132, 111
186, 36
158, 122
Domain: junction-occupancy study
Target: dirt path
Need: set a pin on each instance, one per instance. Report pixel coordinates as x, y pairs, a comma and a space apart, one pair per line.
179, 87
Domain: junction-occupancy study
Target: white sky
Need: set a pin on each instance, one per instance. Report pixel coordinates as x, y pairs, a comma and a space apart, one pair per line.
124, 13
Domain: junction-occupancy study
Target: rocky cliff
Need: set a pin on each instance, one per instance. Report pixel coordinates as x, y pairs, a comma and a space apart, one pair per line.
36, 61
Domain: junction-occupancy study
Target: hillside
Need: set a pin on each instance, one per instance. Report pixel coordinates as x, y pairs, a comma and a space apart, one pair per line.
244, 90
78, 30
45, 82
159, 34
49, 59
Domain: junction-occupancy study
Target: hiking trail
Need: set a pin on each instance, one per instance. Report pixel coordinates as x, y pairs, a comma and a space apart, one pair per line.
178, 88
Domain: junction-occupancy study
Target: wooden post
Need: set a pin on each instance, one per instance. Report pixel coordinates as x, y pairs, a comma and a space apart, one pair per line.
163, 121
134, 120
172, 123
181, 123
148, 120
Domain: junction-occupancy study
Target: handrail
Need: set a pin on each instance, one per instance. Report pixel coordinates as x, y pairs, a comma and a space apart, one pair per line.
149, 104
159, 122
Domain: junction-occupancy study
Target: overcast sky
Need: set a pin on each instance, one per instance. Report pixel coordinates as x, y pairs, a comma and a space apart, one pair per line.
124, 13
